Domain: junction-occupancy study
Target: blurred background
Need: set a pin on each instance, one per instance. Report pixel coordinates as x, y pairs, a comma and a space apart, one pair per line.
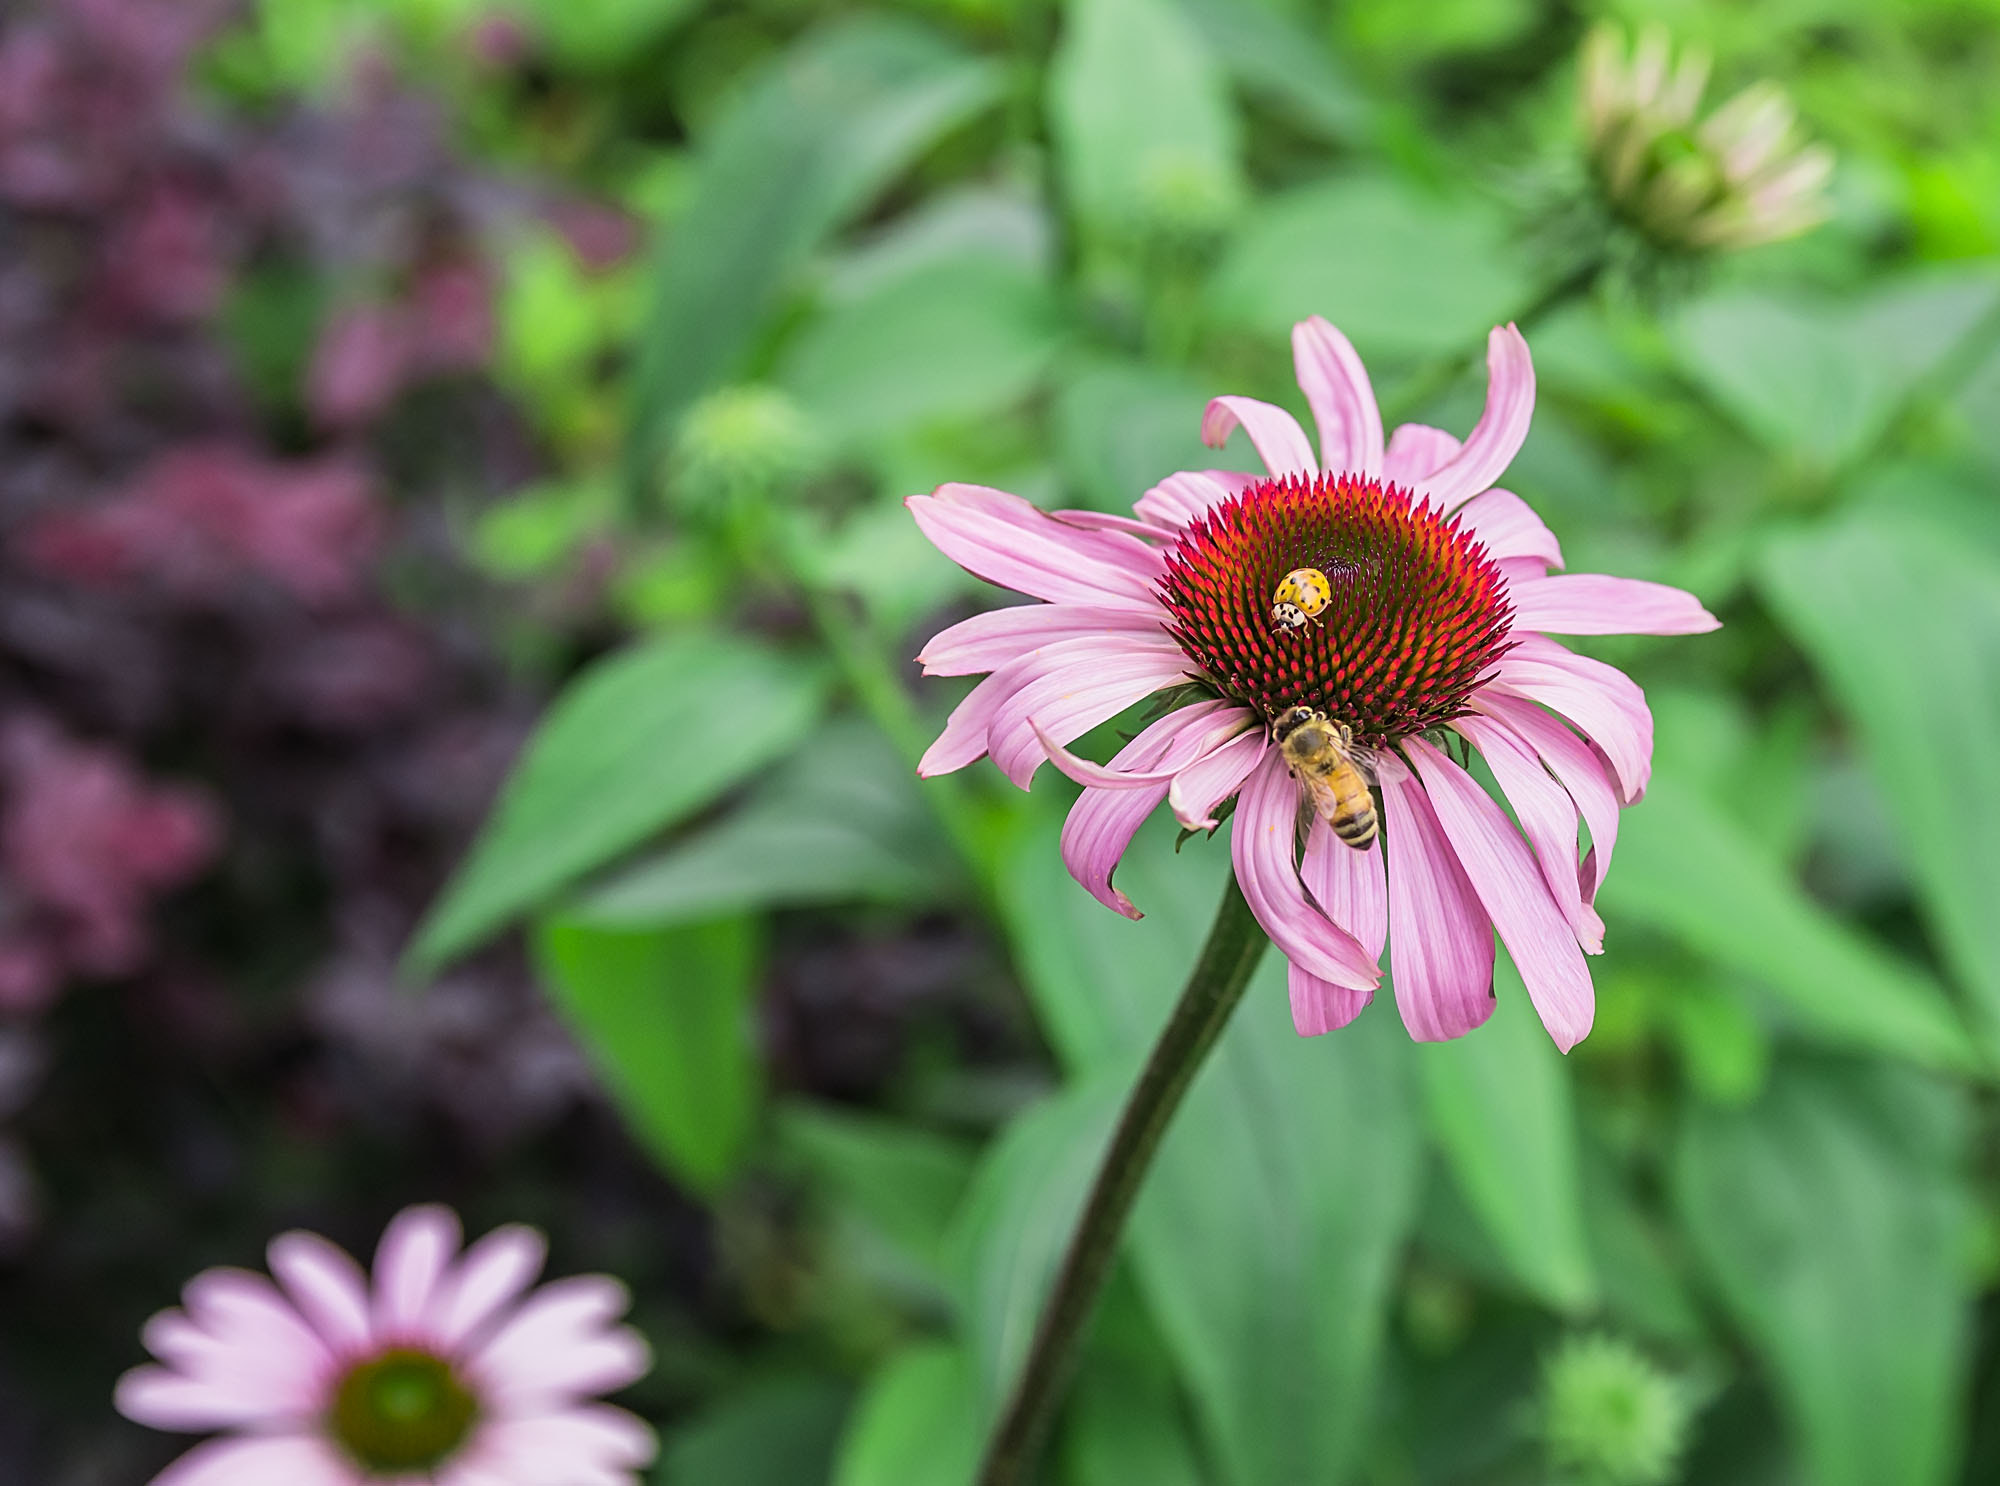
385, 383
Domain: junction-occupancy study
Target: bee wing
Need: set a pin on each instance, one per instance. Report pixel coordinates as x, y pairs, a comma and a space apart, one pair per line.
1363, 758
1316, 797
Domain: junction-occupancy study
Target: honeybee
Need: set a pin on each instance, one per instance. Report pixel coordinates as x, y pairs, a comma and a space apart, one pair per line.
1333, 769
1299, 597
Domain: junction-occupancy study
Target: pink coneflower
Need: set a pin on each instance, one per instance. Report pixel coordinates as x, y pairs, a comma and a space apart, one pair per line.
441, 1374
1434, 637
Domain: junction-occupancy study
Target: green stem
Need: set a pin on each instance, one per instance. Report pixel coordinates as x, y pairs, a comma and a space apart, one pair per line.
1435, 376
1214, 986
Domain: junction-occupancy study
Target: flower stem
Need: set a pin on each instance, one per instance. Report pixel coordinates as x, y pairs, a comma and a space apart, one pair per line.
1214, 986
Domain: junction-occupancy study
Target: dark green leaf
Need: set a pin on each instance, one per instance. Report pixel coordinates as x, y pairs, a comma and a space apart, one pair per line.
665, 1014
1833, 1219
780, 1433
639, 741
1902, 620
905, 1182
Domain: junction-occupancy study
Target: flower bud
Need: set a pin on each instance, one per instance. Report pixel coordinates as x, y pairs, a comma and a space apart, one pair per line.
737, 444
1609, 1416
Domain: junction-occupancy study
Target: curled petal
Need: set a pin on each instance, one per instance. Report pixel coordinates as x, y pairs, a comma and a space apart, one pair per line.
1261, 845
1201, 786
1440, 939
1178, 499
1516, 898
1547, 814
1573, 761
1343, 403
1072, 701
1510, 528
1005, 540
1592, 604
1275, 433
1418, 451
1501, 430
1605, 704
988, 641
1320, 1006
1186, 747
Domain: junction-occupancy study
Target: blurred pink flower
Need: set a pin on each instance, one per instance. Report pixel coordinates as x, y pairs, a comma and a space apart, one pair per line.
1436, 629
440, 1372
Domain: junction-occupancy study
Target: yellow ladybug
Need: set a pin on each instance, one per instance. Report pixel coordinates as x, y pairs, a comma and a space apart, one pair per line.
1300, 596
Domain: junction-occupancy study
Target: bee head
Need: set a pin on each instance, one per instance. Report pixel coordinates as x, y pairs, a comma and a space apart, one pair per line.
1290, 721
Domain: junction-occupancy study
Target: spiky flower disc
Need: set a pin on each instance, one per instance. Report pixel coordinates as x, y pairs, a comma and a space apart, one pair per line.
1418, 613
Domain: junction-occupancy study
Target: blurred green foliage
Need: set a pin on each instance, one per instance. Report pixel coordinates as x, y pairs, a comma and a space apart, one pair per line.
1020, 241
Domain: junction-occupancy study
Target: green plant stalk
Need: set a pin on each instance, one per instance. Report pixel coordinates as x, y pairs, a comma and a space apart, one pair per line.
1214, 986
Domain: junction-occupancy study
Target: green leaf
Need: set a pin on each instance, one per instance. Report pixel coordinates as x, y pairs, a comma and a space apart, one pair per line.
1819, 382
841, 822
1267, 1234
640, 740
666, 1016
1502, 1112
1685, 868
905, 1182
1403, 274
806, 145
776, 1433
1009, 1234
1833, 1218
1122, 428
967, 335
1902, 621
1274, 58
1138, 108
915, 1425
1122, 1425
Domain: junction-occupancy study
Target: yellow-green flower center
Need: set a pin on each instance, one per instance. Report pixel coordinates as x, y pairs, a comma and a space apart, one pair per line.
402, 1410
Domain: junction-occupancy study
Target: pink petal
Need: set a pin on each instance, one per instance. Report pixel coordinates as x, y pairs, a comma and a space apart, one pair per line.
1417, 451
239, 1353
491, 1276
1573, 761
1521, 569
561, 1344
416, 1248
1336, 386
293, 1460
1441, 941
1548, 816
1104, 521
1275, 433
1319, 1006
1603, 702
326, 1285
1592, 604
1005, 540
1102, 822
1349, 886
1190, 744
1502, 428
585, 1446
160, 1399
986, 642
1510, 886
1510, 528
1068, 703
1262, 846
1178, 499
1206, 783
968, 731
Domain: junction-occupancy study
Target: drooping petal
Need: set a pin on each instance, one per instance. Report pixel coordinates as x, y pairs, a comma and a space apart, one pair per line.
563, 1343
1592, 604
1511, 888
1501, 430
1547, 814
1178, 499
295, 1460
1068, 703
1041, 677
1440, 939
1201, 786
1262, 846
987, 641
1320, 1006
1005, 540
1275, 433
1102, 822
492, 1275
326, 1285
1581, 769
1605, 704
1510, 528
416, 1248
1349, 886
1417, 451
1337, 389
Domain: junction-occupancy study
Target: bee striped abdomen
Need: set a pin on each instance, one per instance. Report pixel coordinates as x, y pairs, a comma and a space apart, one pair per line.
1355, 824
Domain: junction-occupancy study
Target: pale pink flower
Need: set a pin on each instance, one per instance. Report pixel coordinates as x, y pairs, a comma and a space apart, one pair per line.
1437, 631
440, 1373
